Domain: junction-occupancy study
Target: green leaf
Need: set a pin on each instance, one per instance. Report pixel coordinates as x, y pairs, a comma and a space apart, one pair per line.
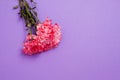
15, 7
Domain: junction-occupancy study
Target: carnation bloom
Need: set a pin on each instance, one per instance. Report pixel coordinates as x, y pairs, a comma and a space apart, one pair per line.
49, 32
47, 36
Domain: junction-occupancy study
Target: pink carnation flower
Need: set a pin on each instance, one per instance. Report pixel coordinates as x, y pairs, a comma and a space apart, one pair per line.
47, 36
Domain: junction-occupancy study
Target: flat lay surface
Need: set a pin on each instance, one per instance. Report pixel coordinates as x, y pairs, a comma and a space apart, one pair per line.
89, 49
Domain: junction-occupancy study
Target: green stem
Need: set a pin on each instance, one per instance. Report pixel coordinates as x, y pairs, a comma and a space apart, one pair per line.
28, 14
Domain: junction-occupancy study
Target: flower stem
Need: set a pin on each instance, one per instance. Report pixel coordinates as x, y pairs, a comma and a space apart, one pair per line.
29, 15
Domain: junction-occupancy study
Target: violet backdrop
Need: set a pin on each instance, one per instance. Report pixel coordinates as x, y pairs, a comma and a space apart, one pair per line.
90, 46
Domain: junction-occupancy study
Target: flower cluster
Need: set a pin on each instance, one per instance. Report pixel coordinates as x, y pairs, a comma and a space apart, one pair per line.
47, 36
41, 36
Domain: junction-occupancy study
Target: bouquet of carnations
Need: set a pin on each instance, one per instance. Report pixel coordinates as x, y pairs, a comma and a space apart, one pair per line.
42, 36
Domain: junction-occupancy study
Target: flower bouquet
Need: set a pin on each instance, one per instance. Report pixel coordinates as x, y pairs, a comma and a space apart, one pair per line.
42, 36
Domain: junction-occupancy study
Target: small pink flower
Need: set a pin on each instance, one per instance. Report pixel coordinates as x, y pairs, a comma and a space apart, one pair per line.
31, 45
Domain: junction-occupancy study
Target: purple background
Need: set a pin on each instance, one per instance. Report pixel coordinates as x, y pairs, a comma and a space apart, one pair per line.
90, 46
